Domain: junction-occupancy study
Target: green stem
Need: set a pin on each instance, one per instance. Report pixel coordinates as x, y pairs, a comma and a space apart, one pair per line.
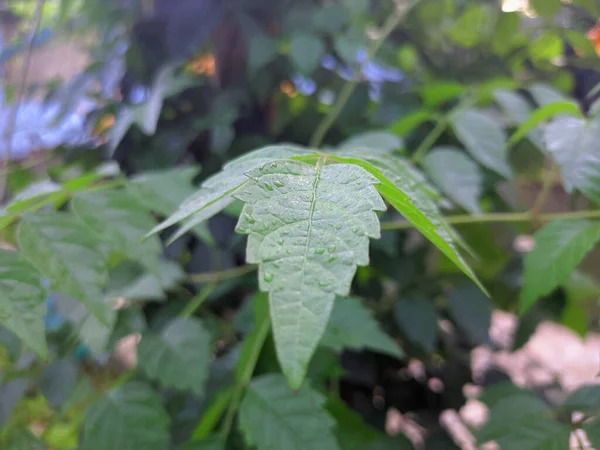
439, 128
261, 334
392, 22
542, 198
215, 277
500, 218
198, 299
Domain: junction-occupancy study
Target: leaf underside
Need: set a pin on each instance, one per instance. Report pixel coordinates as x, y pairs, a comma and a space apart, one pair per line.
308, 227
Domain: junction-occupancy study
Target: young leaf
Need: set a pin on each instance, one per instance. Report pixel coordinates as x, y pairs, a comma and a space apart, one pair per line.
216, 193
484, 138
65, 253
573, 143
518, 110
417, 318
22, 296
129, 417
541, 115
457, 175
352, 326
179, 356
309, 228
120, 221
417, 210
559, 248
272, 416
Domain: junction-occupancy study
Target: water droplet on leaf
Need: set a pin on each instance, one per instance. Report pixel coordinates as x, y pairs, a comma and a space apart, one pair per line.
268, 186
268, 277
331, 248
320, 251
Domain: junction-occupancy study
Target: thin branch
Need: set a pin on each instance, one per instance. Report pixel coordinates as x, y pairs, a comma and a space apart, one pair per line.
547, 184
391, 23
500, 218
215, 277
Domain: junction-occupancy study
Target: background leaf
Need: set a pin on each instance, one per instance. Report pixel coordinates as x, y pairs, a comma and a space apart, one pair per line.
417, 318
129, 417
65, 253
273, 416
120, 221
484, 139
456, 175
472, 311
572, 142
306, 51
352, 326
179, 356
559, 247
22, 298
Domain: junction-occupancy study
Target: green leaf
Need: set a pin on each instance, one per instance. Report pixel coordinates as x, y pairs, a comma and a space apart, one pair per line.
507, 413
506, 34
472, 26
472, 312
592, 429
163, 191
272, 416
544, 94
434, 94
330, 18
96, 334
484, 138
380, 140
179, 356
535, 434
559, 247
456, 175
546, 8
309, 228
585, 399
120, 221
404, 195
216, 193
408, 123
498, 392
573, 143
261, 51
540, 115
130, 417
25, 440
210, 443
417, 318
22, 296
306, 51
518, 110
352, 326
546, 47
65, 253
58, 380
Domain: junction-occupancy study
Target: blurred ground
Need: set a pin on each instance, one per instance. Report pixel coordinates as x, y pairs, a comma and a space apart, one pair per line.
554, 362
